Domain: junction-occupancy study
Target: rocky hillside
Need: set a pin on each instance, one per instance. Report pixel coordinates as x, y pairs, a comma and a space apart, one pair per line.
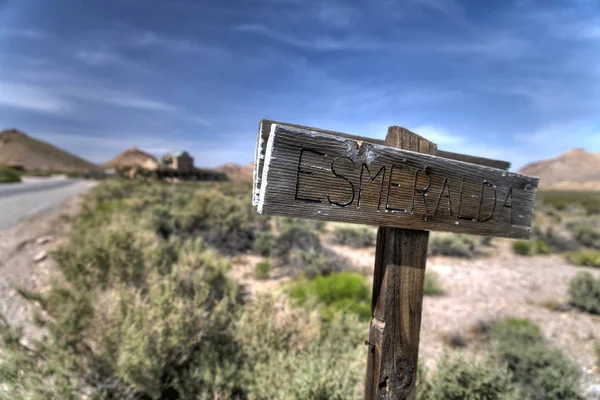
130, 158
575, 169
20, 149
238, 173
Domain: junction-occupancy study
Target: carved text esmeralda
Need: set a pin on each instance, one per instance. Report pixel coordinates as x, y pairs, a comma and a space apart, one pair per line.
315, 175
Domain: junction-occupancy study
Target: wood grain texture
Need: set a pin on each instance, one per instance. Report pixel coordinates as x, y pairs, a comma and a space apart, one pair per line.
402, 317
396, 323
265, 129
310, 174
398, 279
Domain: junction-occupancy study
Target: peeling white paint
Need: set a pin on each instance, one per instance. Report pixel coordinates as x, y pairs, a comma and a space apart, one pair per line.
264, 182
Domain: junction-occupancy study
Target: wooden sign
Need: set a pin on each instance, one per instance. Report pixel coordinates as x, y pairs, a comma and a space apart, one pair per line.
402, 182
264, 131
311, 174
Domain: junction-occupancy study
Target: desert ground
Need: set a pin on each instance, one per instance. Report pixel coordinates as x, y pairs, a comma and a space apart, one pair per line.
495, 283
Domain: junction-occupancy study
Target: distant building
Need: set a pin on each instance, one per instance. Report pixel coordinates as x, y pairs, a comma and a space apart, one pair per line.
180, 162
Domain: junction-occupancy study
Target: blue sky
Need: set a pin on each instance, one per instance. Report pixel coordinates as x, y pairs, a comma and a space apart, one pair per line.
513, 80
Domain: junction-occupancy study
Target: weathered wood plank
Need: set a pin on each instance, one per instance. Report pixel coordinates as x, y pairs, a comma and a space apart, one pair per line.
265, 128
310, 174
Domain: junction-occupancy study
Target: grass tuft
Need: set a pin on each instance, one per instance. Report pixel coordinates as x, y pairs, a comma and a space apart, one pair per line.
585, 258
522, 247
433, 284
262, 270
344, 292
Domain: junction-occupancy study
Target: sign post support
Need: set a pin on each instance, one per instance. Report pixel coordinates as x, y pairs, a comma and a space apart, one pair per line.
407, 187
397, 298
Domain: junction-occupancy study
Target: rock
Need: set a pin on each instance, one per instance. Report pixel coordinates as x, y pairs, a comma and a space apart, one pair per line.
44, 239
41, 256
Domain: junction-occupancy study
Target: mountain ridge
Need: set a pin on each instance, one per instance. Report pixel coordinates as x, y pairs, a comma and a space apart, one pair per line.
21, 150
571, 170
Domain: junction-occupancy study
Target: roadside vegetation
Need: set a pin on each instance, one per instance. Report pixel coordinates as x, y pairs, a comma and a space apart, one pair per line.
9, 175
584, 290
344, 292
453, 245
355, 236
144, 307
539, 371
561, 200
584, 258
433, 284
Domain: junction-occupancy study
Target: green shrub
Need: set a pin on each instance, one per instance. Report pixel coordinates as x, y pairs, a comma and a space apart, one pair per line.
228, 223
586, 258
299, 248
343, 292
314, 263
264, 243
541, 247
452, 245
296, 238
262, 270
432, 285
285, 223
486, 240
9, 175
561, 200
290, 354
457, 378
587, 233
522, 247
354, 236
584, 290
539, 371
516, 331
104, 257
560, 241
173, 338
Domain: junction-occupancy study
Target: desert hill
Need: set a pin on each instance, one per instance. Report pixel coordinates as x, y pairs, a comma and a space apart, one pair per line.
19, 149
130, 158
238, 173
575, 169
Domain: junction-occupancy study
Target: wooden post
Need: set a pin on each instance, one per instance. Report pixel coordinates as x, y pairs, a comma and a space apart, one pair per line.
397, 299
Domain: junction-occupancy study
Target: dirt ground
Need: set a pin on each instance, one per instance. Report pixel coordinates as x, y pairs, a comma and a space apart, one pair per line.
25, 261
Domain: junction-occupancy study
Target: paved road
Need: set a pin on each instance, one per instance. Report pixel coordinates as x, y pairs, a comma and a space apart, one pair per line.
20, 201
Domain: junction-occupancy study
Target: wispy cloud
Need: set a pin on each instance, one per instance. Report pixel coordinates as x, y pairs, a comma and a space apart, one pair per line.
148, 39
446, 7
26, 33
34, 98
117, 98
100, 58
498, 45
441, 137
199, 120
316, 42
